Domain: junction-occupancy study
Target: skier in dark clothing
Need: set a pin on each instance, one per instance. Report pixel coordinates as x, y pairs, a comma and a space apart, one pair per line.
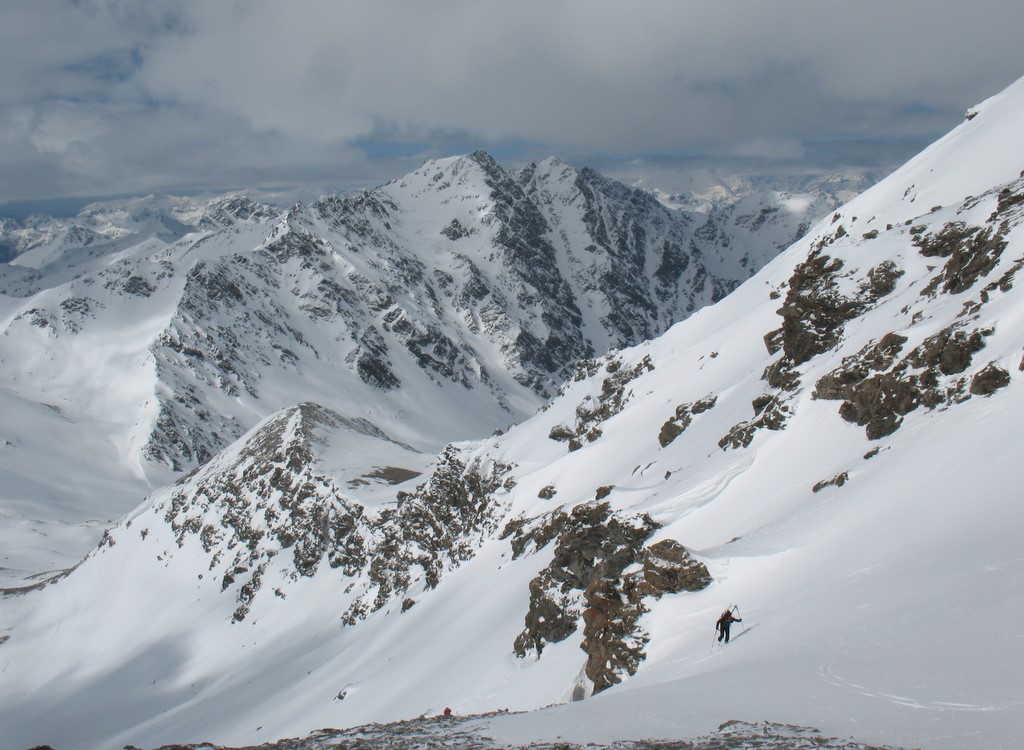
724, 623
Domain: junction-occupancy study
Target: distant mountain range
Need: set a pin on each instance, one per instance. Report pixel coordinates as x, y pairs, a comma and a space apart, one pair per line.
143, 336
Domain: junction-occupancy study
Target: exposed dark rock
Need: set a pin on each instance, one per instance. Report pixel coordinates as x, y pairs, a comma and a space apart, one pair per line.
372, 362
669, 569
814, 311
989, 380
432, 350
677, 423
881, 280
879, 403
770, 412
586, 579
562, 433
592, 543
878, 391
597, 409
705, 404
611, 638
781, 375
950, 350
813, 318
773, 341
876, 357
442, 522
465, 733
530, 535
972, 252
1008, 198
273, 499
138, 286
739, 436
455, 230
837, 481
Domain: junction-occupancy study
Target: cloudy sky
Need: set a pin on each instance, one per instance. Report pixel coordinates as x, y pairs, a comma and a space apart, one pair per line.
117, 97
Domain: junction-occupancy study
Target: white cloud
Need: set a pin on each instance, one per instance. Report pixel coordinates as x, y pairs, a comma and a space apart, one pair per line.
769, 148
110, 96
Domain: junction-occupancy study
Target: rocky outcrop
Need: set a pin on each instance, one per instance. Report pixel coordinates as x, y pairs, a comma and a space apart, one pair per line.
837, 481
468, 733
877, 390
815, 311
587, 578
270, 506
814, 315
596, 409
877, 387
668, 568
771, 410
675, 425
971, 252
989, 380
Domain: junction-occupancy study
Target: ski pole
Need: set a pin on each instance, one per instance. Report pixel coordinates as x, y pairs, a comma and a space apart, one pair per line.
744, 621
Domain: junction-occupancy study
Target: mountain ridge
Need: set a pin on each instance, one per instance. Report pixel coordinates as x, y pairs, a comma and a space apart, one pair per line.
453, 300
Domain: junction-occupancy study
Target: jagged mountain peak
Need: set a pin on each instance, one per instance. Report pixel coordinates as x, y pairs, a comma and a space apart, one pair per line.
440, 173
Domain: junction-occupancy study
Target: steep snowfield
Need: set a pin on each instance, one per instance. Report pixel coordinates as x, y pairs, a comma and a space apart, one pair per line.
833, 441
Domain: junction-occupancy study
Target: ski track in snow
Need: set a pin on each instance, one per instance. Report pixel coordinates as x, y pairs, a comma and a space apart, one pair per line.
831, 678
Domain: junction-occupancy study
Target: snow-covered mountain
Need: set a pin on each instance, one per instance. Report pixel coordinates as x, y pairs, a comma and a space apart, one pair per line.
142, 337
825, 448
741, 211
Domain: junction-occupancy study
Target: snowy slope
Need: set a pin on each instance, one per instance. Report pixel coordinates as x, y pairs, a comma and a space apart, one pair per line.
440, 306
825, 448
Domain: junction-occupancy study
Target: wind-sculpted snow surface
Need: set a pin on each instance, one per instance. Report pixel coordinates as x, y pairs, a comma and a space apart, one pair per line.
826, 452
